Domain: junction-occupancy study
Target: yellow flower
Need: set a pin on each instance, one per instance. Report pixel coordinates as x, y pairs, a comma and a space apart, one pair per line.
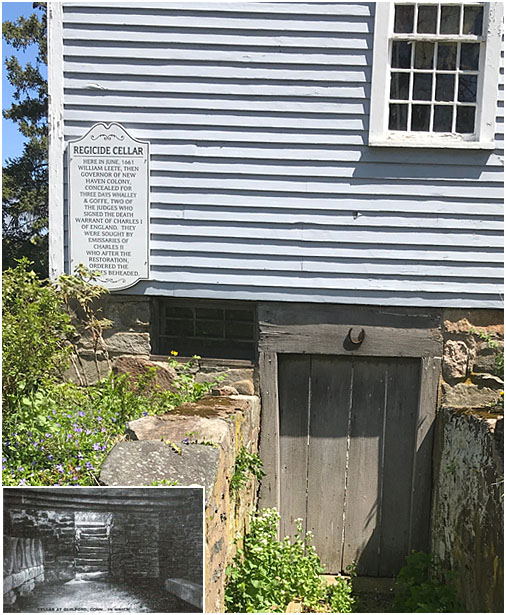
174, 353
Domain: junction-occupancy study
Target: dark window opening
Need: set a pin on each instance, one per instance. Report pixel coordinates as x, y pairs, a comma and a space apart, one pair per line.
210, 329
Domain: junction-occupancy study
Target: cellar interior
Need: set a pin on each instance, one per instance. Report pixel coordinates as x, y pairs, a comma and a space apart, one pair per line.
134, 550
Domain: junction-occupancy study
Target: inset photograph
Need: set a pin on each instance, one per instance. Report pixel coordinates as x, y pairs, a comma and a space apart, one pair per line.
103, 549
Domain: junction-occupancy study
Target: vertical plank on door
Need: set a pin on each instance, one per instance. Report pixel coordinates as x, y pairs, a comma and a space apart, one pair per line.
361, 532
402, 387
293, 376
329, 409
422, 478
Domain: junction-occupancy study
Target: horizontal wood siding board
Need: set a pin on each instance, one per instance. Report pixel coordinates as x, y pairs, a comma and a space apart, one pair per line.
358, 9
329, 281
262, 185
247, 213
310, 232
325, 251
362, 266
365, 297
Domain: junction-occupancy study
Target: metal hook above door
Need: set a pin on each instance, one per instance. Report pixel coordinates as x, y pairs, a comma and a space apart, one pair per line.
351, 342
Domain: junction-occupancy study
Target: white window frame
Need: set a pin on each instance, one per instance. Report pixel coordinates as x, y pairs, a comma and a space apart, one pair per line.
483, 137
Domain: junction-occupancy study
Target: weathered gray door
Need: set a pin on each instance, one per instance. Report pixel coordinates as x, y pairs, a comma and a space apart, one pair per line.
349, 465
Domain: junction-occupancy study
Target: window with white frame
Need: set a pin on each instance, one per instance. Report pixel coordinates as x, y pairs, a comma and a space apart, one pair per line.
435, 74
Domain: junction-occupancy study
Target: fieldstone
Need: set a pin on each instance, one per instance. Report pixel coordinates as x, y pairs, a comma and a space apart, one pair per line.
137, 367
487, 380
176, 428
142, 462
245, 387
128, 343
224, 391
465, 395
186, 590
455, 360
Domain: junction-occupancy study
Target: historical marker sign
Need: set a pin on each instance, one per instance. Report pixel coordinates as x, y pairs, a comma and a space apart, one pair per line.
109, 205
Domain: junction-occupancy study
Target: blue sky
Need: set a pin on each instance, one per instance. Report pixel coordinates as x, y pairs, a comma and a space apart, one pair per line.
12, 141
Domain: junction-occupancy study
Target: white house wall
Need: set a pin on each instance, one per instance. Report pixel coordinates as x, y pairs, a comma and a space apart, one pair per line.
262, 185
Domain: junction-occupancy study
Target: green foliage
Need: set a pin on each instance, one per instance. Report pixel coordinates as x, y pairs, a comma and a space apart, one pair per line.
57, 433
164, 483
25, 179
35, 332
186, 389
417, 589
61, 433
246, 464
498, 352
266, 573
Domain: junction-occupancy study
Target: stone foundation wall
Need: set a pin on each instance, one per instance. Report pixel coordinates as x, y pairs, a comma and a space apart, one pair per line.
471, 374
468, 504
134, 542
56, 530
197, 444
181, 543
23, 567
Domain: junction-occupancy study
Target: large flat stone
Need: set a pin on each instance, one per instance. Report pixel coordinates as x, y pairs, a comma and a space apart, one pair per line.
176, 428
186, 590
143, 462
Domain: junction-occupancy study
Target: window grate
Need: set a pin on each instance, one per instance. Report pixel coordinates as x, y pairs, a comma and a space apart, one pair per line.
210, 329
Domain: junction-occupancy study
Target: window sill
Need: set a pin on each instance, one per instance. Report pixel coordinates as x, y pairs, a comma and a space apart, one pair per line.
410, 141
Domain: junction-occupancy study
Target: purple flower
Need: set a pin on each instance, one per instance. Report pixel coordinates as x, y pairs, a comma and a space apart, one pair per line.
20, 469
96, 447
89, 465
60, 469
99, 418
3, 466
186, 441
144, 413
22, 482
77, 429
102, 429
50, 457
81, 413
104, 447
88, 431
48, 435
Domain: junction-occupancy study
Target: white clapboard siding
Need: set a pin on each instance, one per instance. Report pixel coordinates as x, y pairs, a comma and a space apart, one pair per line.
262, 183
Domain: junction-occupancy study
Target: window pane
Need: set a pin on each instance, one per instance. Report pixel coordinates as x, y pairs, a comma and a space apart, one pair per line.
467, 88
399, 86
447, 56
469, 56
427, 19
473, 20
450, 19
401, 54
424, 55
398, 117
422, 86
404, 17
465, 119
445, 87
443, 115
420, 117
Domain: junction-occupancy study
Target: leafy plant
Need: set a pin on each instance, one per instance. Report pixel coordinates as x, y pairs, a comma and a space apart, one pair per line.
246, 464
34, 335
498, 352
186, 389
267, 573
417, 589
79, 293
165, 482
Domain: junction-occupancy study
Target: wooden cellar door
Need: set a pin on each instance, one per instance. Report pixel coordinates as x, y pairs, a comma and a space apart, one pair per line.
348, 461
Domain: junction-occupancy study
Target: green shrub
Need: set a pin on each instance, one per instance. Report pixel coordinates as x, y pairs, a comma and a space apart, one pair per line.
34, 333
418, 591
266, 573
57, 433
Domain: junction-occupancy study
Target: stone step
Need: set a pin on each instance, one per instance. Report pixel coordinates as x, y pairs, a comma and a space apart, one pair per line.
91, 562
93, 549
87, 568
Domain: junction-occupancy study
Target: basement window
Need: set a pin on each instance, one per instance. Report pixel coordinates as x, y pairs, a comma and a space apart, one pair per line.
210, 329
435, 74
